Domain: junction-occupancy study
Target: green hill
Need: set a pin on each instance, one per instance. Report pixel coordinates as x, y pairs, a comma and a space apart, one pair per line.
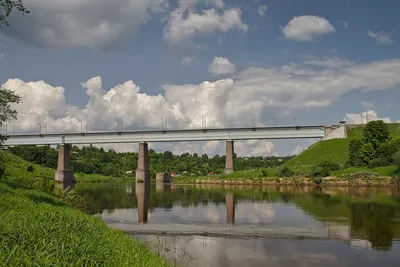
335, 150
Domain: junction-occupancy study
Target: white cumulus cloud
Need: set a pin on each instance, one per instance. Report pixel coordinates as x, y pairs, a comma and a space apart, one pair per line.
184, 23
365, 117
221, 66
381, 37
229, 102
307, 28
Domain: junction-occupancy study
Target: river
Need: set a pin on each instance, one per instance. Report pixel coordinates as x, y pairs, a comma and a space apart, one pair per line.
217, 225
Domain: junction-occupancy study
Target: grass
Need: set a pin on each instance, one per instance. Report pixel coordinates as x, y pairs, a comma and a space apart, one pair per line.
16, 167
39, 230
335, 150
356, 132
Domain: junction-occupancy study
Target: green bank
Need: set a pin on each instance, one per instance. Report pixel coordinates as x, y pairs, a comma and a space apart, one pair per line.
41, 225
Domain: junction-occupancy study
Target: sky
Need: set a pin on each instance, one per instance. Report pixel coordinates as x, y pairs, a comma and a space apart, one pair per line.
86, 64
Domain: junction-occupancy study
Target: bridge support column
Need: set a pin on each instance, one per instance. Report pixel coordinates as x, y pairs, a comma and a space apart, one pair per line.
229, 167
64, 174
142, 171
230, 208
143, 197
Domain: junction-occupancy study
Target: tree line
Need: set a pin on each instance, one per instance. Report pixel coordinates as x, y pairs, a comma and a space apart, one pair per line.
90, 159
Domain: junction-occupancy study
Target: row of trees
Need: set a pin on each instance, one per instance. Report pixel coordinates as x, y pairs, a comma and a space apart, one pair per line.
91, 159
376, 148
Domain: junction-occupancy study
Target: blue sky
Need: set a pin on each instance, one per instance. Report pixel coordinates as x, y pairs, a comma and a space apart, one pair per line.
345, 51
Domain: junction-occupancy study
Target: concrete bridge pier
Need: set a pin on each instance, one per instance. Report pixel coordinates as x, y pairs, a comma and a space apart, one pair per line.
142, 171
143, 198
64, 174
229, 166
230, 208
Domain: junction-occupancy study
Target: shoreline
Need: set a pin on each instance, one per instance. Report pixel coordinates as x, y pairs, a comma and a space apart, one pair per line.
381, 181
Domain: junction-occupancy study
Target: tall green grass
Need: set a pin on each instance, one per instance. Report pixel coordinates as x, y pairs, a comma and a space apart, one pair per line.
39, 230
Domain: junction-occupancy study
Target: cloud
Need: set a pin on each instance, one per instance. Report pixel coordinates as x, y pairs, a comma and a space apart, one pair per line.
84, 23
328, 62
189, 60
365, 117
366, 104
1, 56
262, 10
221, 66
229, 102
381, 37
307, 28
345, 23
184, 24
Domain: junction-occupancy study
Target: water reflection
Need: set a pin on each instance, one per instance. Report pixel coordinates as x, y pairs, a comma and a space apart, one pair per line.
359, 217
143, 197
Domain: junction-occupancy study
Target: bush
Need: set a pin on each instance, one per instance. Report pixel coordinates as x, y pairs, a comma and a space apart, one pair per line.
30, 169
354, 153
328, 165
396, 159
318, 171
264, 172
285, 172
2, 171
379, 162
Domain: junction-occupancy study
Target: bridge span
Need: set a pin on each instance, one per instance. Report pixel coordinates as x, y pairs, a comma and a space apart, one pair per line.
65, 140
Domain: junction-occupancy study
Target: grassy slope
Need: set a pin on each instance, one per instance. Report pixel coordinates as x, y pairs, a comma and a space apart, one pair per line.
37, 229
335, 150
16, 167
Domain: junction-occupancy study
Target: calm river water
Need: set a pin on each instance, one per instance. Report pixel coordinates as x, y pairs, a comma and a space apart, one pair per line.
209, 225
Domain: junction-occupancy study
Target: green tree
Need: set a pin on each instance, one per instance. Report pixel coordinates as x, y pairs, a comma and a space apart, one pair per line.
376, 133
7, 6
7, 113
354, 153
396, 158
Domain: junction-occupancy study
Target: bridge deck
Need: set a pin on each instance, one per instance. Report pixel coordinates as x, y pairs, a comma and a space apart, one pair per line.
281, 132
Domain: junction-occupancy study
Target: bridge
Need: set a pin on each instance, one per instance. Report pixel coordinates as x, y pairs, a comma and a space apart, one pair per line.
65, 140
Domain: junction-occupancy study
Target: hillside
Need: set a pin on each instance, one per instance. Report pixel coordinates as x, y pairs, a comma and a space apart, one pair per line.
16, 169
335, 150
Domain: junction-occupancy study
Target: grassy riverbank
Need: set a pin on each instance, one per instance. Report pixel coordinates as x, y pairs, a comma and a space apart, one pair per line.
16, 168
380, 176
38, 229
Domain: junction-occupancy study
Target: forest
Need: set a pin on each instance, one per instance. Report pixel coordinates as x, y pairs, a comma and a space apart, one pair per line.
94, 160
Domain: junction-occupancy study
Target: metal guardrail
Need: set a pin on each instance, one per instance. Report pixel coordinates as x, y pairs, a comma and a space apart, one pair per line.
256, 133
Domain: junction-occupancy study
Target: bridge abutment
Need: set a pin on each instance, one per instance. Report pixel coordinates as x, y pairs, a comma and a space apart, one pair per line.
64, 174
142, 171
229, 166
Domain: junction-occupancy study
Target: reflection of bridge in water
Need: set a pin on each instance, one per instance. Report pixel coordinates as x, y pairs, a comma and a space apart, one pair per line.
329, 230
143, 198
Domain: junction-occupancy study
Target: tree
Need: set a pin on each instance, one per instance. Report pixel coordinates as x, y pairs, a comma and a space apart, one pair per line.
7, 98
354, 153
376, 133
7, 6
396, 158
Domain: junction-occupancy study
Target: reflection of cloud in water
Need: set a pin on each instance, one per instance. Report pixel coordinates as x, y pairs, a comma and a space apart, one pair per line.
197, 251
253, 213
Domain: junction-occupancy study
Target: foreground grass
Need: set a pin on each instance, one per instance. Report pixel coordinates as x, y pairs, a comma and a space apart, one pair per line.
37, 229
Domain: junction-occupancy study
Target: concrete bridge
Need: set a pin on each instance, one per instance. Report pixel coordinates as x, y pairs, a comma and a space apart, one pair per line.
65, 140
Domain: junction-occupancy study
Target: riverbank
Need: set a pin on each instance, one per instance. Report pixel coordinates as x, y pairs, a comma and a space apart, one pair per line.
356, 179
39, 229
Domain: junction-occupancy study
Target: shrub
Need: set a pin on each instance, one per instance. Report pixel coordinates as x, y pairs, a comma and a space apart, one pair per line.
318, 171
316, 180
354, 153
30, 169
396, 159
2, 171
285, 172
328, 165
264, 173
379, 162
